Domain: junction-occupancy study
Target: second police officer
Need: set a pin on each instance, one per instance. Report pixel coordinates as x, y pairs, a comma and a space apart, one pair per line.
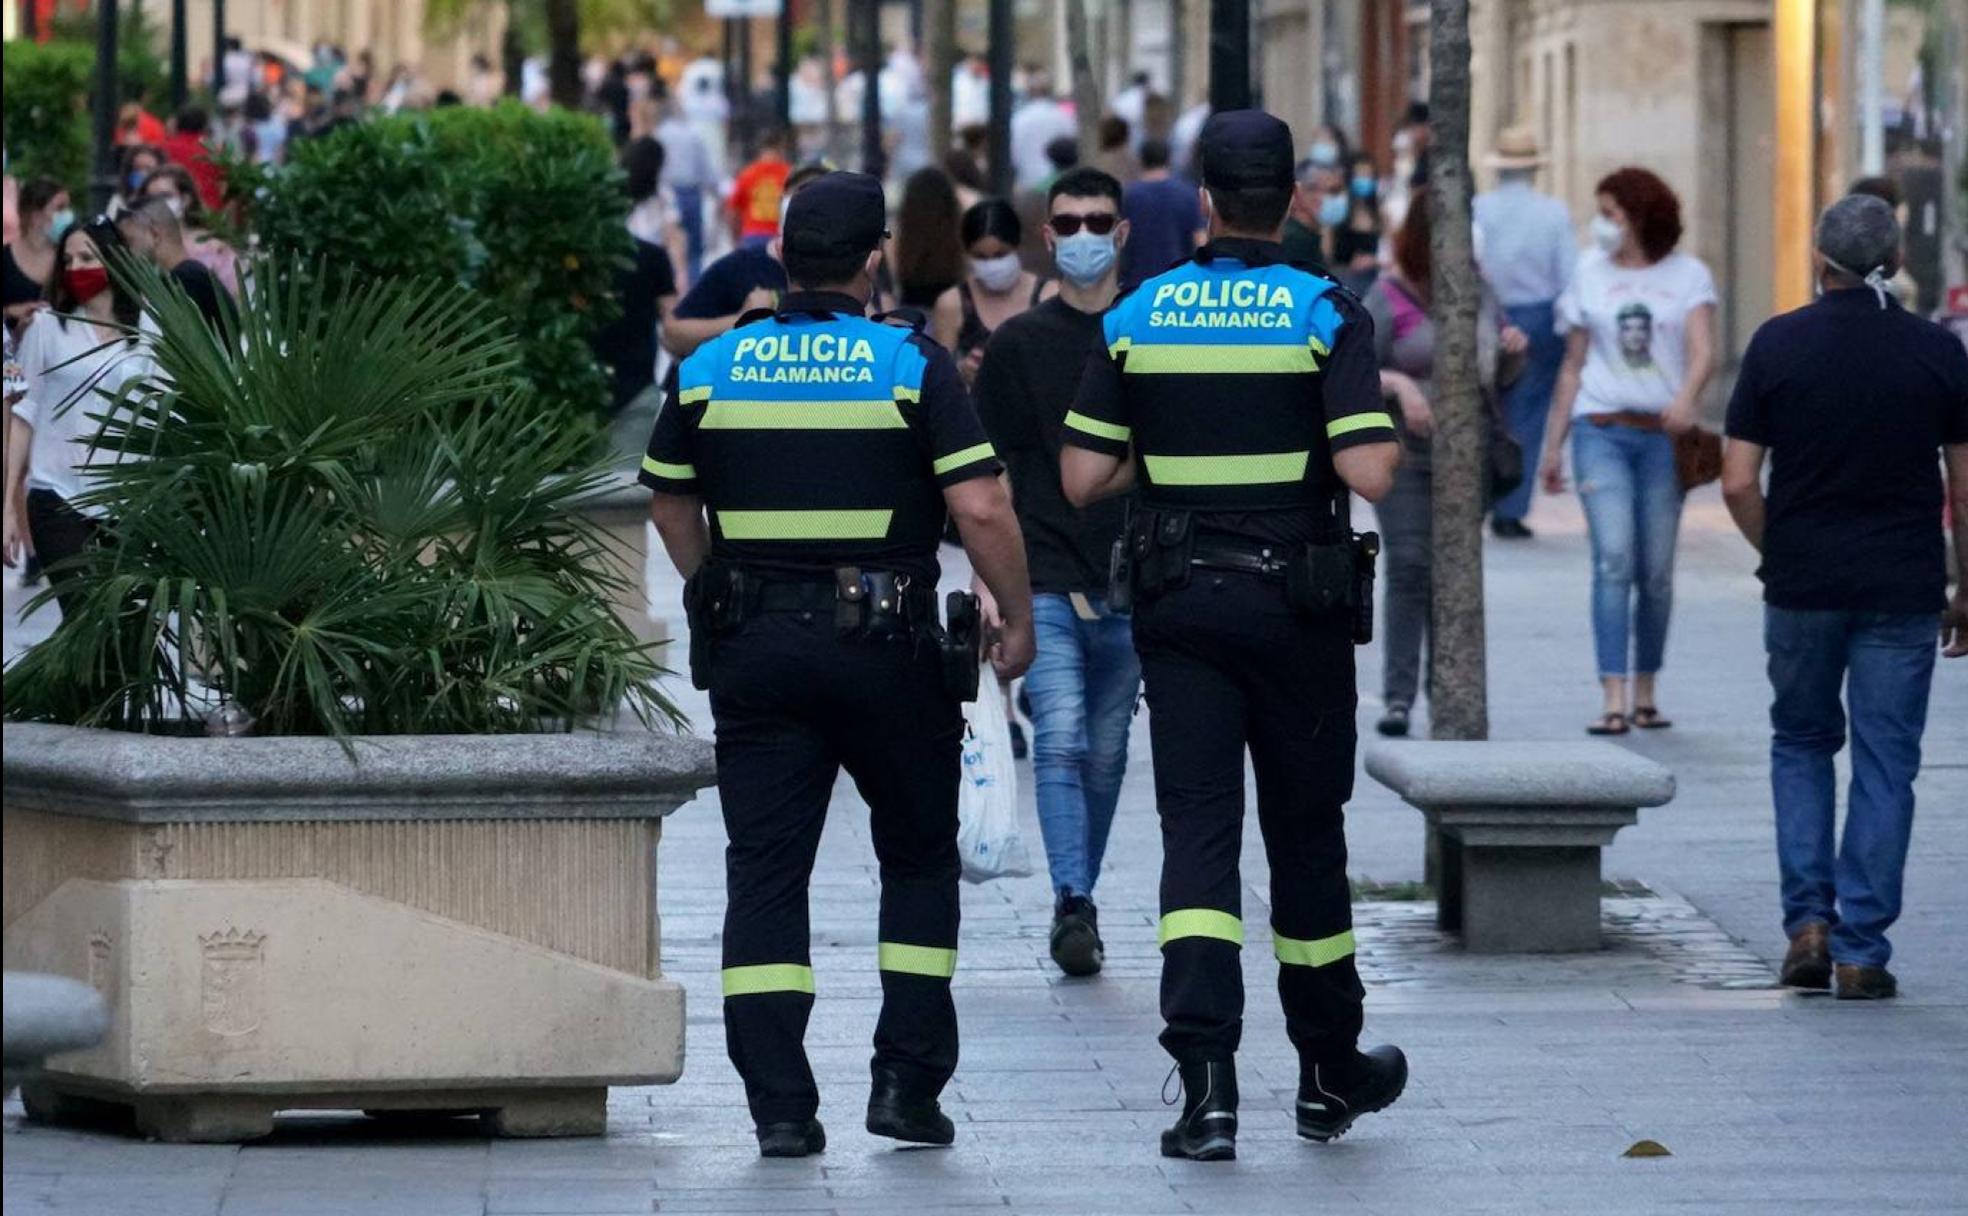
827, 449
1239, 396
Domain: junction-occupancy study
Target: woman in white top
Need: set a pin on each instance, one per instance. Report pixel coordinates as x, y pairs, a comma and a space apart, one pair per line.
1639, 326
74, 359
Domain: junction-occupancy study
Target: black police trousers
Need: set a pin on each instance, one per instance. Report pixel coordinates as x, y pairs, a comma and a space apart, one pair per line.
1228, 665
794, 704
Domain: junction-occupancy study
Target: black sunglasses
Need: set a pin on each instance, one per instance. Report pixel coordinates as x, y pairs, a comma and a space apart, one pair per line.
1068, 225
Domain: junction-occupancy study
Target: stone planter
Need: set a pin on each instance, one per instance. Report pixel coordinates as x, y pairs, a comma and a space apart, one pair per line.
450, 923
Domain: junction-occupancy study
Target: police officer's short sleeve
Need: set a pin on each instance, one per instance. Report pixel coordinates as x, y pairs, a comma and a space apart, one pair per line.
669, 466
1098, 420
958, 448
1356, 413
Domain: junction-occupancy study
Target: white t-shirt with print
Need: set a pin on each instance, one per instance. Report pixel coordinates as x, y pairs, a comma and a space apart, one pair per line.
73, 374
1638, 321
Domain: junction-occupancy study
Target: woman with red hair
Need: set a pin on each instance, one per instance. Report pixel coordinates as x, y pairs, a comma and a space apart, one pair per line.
1639, 325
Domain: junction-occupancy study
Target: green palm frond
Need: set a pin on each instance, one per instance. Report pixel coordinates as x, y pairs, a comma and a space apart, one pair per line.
334, 511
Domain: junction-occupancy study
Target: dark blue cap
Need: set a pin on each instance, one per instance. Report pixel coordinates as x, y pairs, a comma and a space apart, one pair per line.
836, 215
1246, 150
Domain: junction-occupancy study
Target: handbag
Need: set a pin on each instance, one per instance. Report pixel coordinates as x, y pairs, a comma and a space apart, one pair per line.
1697, 458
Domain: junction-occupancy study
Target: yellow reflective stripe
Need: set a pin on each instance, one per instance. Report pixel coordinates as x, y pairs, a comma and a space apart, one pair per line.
1214, 358
692, 396
932, 961
802, 416
1317, 952
768, 977
1357, 422
1319, 346
804, 525
1256, 469
663, 468
1097, 428
904, 393
1119, 345
1200, 922
957, 460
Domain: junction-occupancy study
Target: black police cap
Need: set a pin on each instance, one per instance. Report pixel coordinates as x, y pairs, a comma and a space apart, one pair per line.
836, 215
1246, 150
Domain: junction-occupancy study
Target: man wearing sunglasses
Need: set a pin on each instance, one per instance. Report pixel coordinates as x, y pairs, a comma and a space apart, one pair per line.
1238, 396
1084, 681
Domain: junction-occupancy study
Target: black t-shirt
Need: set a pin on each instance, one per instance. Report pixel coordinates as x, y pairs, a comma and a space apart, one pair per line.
1025, 385
203, 287
819, 439
1854, 403
721, 290
628, 346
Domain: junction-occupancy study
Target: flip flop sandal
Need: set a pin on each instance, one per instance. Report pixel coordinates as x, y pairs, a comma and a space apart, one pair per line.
1646, 717
1608, 724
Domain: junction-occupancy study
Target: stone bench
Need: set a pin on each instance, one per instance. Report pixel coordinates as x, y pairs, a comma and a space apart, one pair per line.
1519, 827
47, 1015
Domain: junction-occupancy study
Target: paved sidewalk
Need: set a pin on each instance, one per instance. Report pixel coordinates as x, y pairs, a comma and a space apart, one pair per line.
1530, 1076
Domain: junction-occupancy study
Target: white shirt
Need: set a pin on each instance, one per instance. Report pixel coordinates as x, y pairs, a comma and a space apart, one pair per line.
1528, 246
650, 219
1034, 125
1638, 321
72, 373
686, 161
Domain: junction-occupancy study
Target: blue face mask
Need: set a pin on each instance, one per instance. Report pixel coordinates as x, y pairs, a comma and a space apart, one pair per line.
60, 222
1324, 153
1364, 187
1332, 211
133, 181
1085, 257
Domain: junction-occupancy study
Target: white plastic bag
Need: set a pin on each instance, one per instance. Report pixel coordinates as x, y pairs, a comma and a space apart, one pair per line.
987, 796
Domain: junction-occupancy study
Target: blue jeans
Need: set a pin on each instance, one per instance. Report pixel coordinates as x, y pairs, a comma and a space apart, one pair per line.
1885, 663
1527, 402
1082, 686
690, 210
1632, 499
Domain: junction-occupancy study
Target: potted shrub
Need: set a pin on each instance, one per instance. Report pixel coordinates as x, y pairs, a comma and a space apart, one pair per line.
308, 785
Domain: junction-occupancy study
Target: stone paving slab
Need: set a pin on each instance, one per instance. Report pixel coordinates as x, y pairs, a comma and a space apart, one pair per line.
1531, 1076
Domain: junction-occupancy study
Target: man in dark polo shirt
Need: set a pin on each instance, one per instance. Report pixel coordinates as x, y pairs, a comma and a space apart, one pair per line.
1856, 402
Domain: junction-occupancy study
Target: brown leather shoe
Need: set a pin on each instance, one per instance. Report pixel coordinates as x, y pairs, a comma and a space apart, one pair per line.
1857, 983
1808, 962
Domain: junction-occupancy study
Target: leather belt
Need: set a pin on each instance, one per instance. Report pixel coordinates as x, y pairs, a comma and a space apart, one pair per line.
1639, 420
1266, 561
918, 603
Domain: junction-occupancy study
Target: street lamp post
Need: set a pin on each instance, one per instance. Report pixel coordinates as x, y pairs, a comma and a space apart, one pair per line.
784, 68
180, 77
1230, 49
873, 159
102, 184
218, 49
1001, 49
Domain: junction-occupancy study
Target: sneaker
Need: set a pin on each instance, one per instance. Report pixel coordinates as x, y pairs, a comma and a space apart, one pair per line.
1330, 1099
1510, 529
1807, 964
1861, 983
1076, 944
1394, 723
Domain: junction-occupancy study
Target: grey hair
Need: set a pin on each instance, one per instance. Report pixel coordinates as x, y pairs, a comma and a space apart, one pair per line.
1859, 234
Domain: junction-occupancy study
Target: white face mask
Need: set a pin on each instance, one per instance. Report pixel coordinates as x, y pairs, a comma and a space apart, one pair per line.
998, 274
1607, 234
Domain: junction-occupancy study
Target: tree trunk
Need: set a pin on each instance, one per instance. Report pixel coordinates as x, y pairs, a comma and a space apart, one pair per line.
564, 52
512, 52
1086, 94
1458, 697
940, 60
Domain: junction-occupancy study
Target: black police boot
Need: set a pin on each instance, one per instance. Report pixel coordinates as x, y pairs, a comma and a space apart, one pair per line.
1076, 944
900, 1114
792, 1139
1330, 1097
1207, 1130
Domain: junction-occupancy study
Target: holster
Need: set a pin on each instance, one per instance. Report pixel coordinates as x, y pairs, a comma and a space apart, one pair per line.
1161, 545
1366, 551
1120, 567
960, 642
714, 602
1336, 577
879, 604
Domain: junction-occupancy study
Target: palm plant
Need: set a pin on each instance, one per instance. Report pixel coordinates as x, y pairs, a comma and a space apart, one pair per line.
333, 513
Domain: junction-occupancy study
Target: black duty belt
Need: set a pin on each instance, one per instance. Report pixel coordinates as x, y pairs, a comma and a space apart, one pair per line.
1266, 560
795, 595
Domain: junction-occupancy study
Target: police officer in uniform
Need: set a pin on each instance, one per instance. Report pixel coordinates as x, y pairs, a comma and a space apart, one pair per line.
827, 449
1239, 396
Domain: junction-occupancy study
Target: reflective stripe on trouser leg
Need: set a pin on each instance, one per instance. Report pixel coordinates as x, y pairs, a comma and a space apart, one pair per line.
902, 745
1195, 728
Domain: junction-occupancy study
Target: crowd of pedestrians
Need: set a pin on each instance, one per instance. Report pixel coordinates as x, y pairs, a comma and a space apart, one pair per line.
1603, 353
